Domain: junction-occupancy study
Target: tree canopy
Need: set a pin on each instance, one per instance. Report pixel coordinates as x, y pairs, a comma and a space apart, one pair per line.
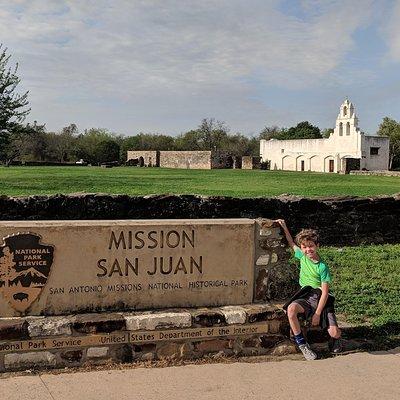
391, 128
303, 130
12, 104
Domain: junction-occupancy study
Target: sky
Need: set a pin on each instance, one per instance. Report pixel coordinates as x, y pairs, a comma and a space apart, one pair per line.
161, 66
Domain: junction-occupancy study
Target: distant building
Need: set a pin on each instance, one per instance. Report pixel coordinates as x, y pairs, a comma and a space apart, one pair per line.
183, 159
347, 148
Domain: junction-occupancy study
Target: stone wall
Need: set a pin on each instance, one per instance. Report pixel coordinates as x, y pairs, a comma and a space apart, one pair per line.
185, 159
341, 221
376, 173
75, 340
144, 158
249, 162
225, 160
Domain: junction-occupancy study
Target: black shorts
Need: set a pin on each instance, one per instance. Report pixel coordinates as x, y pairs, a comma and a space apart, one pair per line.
310, 305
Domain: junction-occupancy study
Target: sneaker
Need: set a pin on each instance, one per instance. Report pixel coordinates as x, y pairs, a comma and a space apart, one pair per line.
307, 352
336, 346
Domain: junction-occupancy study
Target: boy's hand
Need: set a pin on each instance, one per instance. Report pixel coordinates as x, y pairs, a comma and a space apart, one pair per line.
315, 319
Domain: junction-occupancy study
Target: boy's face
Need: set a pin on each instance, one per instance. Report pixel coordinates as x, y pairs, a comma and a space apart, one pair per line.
309, 248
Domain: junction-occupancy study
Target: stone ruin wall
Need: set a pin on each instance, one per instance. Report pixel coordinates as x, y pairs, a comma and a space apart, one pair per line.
341, 221
185, 159
249, 162
150, 158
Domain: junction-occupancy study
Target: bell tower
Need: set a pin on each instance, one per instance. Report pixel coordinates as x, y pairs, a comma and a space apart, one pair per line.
346, 121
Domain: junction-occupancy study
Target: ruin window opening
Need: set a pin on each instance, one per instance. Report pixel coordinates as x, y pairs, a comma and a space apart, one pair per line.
374, 151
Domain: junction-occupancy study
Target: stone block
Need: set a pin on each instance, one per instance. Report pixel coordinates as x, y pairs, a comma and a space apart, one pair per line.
72, 356
267, 244
261, 284
49, 326
97, 352
274, 326
121, 353
208, 317
251, 342
276, 233
13, 329
174, 350
147, 356
262, 312
15, 361
284, 348
263, 259
212, 346
98, 323
234, 315
151, 322
144, 352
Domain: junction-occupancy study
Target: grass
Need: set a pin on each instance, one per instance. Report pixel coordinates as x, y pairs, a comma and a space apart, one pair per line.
366, 282
23, 181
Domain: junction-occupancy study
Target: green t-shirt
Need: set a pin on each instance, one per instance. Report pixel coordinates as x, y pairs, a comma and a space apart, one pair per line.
312, 273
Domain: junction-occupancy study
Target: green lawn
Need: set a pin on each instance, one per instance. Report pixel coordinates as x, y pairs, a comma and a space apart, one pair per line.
24, 181
366, 283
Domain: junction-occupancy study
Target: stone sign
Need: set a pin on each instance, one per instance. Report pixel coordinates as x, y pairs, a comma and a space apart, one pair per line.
60, 267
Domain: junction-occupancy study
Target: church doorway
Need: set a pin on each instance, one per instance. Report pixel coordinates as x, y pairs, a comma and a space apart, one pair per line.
331, 165
302, 165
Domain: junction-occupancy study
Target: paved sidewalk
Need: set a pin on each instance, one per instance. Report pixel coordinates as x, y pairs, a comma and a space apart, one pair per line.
357, 376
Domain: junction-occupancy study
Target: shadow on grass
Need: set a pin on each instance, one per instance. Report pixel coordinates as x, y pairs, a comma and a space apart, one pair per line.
380, 337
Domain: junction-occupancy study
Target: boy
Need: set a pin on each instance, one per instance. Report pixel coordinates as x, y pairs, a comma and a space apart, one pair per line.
313, 299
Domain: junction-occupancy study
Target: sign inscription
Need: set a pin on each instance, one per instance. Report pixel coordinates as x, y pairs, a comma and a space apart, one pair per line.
135, 337
124, 265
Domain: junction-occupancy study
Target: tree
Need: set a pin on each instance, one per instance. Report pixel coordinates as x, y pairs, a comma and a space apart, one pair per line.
27, 141
12, 104
303, 130
61, 146
212, 133
107, 151
87, 143
327, 132
191, 140
391, 129
271, 132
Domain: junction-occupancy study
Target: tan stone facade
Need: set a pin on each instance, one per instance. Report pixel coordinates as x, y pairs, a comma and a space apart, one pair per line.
59, 267
185, 159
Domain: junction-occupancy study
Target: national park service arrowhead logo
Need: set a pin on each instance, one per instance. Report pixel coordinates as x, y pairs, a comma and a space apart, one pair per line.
24, 269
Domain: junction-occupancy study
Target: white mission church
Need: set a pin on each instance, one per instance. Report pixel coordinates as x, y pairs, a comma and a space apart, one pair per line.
346, 148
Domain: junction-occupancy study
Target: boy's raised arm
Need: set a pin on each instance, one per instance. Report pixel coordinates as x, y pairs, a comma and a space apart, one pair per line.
289, 238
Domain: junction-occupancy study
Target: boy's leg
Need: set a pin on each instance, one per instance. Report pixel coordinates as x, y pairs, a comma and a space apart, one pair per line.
335, 333
333, 329
293, 310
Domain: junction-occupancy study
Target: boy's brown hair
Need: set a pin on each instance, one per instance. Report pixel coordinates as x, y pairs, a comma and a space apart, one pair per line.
307, 235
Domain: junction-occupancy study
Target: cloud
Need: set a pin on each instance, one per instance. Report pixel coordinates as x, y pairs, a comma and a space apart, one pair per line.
392, 32
172, 56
